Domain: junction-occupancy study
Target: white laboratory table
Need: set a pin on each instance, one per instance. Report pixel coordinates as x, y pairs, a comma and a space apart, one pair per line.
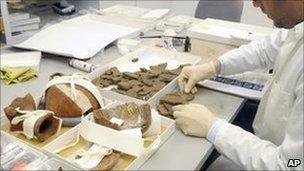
179, 152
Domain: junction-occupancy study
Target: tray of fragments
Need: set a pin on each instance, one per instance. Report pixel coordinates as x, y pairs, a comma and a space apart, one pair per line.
5, 126
144, 74
90, 137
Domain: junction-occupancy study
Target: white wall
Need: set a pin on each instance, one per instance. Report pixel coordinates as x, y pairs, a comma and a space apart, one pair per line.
184, 7
251, 15
106, 3
153, 4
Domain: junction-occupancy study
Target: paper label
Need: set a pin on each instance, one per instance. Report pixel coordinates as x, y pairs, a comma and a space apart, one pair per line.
117, 121
136, 132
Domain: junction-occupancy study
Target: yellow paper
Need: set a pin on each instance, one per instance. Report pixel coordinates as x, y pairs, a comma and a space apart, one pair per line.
17, 74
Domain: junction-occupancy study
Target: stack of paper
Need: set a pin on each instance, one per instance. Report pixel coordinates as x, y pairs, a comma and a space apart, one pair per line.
81, 37
18, 16
31, 20
22, 22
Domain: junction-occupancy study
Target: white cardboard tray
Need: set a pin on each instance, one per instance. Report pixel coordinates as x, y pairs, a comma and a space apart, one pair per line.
167, 127
227, 32
70, 136
148, 56
5, 125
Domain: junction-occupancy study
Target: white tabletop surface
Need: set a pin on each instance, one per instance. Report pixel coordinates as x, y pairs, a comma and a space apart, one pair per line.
179, 152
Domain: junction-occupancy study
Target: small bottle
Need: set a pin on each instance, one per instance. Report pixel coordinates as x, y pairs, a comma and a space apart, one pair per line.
81, 65
187, 44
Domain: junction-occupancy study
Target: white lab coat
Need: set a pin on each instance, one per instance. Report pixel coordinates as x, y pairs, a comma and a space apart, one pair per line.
278, 124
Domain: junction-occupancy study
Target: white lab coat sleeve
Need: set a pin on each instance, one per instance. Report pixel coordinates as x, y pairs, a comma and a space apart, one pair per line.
259, 54
216, 126
253, 153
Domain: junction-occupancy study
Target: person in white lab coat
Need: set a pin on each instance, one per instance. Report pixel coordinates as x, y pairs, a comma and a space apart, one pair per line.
278, 124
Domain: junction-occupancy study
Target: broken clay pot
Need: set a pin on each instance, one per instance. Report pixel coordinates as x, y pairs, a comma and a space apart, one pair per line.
71, 97
108, 162
39, 124
131, 114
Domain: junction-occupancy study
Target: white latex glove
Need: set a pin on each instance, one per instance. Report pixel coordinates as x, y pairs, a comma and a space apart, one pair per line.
193, 119
192, 74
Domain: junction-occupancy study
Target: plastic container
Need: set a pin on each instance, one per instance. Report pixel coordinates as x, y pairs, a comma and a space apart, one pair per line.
18, 156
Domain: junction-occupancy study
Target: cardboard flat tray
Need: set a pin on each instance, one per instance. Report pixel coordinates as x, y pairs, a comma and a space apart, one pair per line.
5, 126
227, 32
148, 56
126, 162
68, 135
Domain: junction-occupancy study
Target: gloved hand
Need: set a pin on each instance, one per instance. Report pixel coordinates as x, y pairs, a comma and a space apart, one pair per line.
193, 119
192, 74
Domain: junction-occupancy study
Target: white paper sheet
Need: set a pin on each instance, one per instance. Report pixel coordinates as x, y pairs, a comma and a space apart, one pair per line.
92, 157
81, 37
155, 14
21, 59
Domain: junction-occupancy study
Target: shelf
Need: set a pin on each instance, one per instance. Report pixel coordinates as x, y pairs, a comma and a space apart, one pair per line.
46, 14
